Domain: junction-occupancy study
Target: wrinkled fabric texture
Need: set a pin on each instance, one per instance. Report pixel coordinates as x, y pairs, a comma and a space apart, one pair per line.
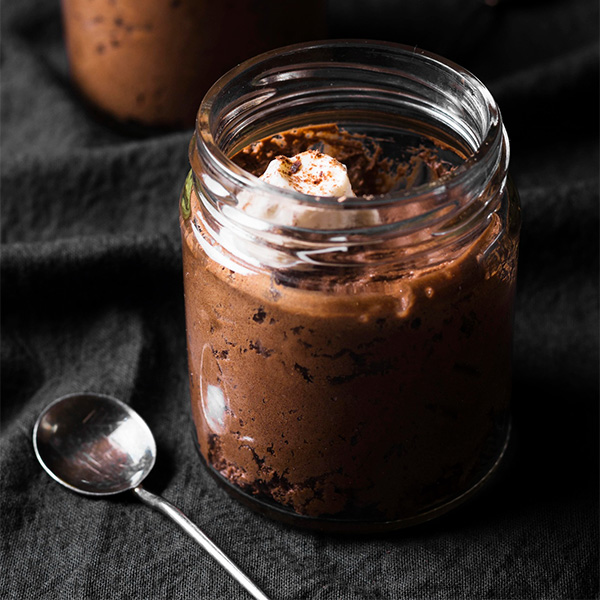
92, 300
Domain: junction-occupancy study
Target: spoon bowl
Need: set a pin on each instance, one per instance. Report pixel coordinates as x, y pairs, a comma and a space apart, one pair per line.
98, 446
94, 444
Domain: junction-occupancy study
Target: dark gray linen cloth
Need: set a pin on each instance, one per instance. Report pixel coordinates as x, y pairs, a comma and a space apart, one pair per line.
92, 300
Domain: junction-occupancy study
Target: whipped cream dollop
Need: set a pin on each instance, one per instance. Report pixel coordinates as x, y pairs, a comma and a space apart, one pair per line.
310, 172
313, 173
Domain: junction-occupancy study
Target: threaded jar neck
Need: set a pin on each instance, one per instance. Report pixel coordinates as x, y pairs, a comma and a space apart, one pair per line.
385, 91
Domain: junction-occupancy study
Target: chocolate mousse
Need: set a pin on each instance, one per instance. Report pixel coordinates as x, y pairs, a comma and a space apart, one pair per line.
375, 396
151, 62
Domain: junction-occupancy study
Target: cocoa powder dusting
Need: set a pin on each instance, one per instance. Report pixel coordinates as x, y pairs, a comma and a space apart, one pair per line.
296, 165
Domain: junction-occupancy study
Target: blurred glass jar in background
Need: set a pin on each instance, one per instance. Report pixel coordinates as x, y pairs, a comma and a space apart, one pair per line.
151, 62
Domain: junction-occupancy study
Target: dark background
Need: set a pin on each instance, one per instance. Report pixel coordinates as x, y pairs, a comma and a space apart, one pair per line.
92, 300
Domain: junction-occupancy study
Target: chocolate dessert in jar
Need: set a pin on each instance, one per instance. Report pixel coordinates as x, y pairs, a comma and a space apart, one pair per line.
150, 62
350, 239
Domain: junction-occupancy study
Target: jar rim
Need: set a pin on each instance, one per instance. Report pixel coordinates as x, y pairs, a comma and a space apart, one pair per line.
483, 155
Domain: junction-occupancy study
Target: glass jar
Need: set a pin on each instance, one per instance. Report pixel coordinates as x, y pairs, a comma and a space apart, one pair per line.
150, 62
350, 361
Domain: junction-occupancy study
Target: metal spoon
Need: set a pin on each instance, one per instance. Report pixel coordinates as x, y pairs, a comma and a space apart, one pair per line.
98, 446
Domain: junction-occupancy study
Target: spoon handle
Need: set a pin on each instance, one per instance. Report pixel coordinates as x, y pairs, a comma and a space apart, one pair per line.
192, 530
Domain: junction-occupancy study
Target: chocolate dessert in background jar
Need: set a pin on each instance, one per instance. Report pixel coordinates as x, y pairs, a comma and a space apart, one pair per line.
350, 239
150, 62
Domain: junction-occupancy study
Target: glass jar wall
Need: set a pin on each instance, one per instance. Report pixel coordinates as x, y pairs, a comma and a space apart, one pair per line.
350, 360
